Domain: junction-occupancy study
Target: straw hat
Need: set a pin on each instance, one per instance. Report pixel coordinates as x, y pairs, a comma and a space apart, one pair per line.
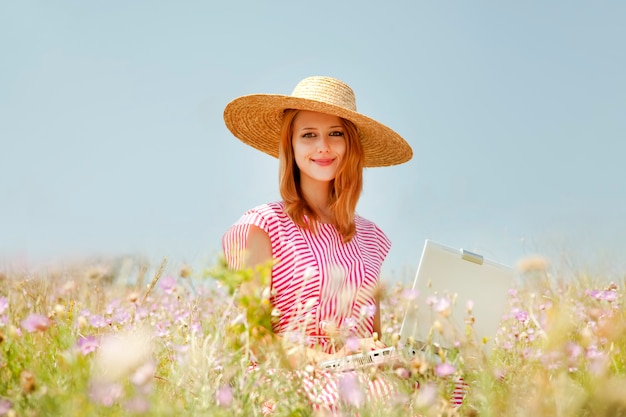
256, 119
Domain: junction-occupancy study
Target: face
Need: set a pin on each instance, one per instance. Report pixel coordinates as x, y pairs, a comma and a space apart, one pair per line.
319, 145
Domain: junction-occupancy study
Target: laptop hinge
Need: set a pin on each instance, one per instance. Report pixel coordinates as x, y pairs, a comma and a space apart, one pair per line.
472, 257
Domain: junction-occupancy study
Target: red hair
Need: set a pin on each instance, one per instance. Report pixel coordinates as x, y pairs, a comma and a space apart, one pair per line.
345, 189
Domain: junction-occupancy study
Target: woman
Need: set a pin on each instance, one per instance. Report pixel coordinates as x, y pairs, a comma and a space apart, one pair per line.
327, 258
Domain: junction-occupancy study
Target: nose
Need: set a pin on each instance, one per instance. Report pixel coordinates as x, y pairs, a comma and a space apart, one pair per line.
323, 145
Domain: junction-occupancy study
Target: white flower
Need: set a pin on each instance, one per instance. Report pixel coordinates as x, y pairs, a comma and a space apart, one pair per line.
121, 354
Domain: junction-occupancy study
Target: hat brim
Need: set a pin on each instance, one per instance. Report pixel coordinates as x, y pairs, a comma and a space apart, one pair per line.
256, 120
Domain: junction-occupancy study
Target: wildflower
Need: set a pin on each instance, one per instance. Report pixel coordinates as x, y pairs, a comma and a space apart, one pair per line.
605, 295
224, 396
4, 304
106, 393
87, 345
409, 294
350, 323
443, 306
97, 321
350, 390
520, 315
368, 310
353, 344
5, 406
168, 284
35, 322
426, 396
444, 369
121, 354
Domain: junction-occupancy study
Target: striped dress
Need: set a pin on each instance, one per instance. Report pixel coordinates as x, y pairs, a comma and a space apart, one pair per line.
320, 285
318, 282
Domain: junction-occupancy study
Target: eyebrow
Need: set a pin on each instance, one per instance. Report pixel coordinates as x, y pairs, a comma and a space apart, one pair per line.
314, 128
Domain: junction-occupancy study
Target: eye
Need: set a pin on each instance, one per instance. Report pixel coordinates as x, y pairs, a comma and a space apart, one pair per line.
308, 135
336, 133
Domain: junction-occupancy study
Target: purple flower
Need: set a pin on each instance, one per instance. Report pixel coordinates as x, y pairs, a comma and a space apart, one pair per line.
106, 394
5, 406
121, 316
35, 322
224, 396
168, 284
368, 310
442, 305
87, 345
409, 294
353, 344
520, 315
97, 321
444, 369
350, 390
4, 304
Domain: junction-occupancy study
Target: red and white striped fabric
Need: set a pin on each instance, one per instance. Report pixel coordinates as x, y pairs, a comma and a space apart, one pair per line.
318, 281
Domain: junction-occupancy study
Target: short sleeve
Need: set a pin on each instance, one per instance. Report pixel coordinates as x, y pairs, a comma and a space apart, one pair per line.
384, 244
234, 241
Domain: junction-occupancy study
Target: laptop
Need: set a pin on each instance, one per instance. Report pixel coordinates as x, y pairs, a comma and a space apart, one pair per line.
460, 297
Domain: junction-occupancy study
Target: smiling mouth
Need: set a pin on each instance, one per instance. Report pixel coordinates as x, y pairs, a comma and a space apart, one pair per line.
323, 162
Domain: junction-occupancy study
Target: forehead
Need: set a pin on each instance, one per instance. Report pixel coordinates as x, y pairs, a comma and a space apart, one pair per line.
306, 118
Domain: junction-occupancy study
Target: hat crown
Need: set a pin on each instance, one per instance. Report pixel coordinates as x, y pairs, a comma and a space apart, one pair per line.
326, 90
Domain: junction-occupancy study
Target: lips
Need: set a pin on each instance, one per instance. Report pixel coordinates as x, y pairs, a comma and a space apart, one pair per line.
323, 162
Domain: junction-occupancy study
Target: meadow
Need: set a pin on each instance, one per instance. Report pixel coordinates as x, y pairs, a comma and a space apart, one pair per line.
84, 340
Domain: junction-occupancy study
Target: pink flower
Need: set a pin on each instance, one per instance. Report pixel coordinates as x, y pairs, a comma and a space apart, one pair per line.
444, 369
409, 294
97, 321
87, 345
224, 396
368, 310
106, 394
36, 322
168, 284
4, 304
353, 344
5, 406
442, 305
350, 390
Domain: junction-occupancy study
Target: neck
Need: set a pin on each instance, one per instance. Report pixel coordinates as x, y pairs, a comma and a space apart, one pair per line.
317, 195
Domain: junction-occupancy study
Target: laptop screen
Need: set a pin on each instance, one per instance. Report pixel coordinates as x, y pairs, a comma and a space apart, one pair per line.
460, 297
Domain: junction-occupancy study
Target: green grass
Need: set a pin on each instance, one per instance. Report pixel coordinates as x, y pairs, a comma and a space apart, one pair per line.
181, 346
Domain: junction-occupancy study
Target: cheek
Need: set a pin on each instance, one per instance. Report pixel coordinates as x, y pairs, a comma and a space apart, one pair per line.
340, 149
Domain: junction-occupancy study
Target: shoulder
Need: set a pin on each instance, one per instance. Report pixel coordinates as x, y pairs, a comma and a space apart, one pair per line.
273, 209
369, 231
363, 224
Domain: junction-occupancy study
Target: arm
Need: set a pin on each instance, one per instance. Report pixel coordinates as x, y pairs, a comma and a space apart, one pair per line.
258, 252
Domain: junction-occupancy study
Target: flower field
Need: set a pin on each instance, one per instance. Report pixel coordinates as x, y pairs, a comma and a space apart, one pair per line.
82, 341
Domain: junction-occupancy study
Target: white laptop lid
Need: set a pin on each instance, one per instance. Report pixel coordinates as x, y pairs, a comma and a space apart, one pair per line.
455, 278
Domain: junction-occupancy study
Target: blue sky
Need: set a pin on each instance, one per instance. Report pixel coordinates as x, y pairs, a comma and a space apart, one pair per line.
112, 140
